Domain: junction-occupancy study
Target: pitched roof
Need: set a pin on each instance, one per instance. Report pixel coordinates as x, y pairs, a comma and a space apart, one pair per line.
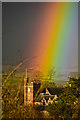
42, 96
46, 92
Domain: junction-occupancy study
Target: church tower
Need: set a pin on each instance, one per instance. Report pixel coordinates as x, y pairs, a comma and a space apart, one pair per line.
28, 90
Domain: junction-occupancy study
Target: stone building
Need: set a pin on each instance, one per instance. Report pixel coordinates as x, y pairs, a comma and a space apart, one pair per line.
28, 91
47, 95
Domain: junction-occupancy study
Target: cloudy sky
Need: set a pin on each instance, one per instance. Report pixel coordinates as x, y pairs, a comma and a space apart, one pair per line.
19, 31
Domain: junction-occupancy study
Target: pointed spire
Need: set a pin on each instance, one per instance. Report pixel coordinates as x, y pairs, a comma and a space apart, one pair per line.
47, 91
26, 74
25, 81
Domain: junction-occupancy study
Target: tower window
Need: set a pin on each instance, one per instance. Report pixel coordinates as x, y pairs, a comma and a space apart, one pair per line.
28, 89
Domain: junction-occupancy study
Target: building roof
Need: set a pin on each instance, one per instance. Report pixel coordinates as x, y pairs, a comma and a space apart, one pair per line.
44, 97
46, 92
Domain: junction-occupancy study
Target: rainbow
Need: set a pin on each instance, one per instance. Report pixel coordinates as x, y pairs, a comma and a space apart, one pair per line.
53, 31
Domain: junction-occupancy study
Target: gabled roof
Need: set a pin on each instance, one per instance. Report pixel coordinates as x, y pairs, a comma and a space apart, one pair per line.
52, 91
46, 92
55, 91
43, 96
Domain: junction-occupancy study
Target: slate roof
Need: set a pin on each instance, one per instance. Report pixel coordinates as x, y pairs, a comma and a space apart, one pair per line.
55, 91
46, 97
42, 93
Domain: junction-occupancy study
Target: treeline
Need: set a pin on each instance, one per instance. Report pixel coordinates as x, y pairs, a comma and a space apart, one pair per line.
67, 105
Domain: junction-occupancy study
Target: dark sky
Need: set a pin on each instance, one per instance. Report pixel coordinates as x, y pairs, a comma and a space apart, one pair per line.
18, 30
19, 20
79, 36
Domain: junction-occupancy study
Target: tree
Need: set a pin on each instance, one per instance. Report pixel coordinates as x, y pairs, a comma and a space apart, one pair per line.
67, 104
60, 110
12, 102
46, 80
